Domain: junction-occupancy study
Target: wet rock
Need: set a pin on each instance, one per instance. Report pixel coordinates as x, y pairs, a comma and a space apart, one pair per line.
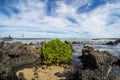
117, 41
74, 42
96, 64
110, 43
14, 56
113, 42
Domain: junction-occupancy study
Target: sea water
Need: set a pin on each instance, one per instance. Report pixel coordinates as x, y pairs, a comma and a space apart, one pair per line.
97, 44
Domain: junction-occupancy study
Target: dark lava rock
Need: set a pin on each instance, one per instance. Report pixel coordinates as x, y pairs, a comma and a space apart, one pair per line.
110, 43
14, 56
69, 43
1, 44
118, 62
113, 42
74, 42
96, 64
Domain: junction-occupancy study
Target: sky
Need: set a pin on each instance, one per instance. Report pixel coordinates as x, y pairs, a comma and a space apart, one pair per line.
60, 18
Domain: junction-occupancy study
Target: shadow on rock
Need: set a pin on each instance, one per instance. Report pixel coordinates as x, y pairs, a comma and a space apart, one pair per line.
96, 64
14, 56
69, 75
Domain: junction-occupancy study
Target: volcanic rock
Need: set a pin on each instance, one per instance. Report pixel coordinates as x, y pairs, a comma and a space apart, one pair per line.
74, 42
113, 42
14, 56
96, 64
1, 44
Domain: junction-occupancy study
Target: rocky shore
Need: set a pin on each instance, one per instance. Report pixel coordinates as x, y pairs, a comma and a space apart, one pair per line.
20, 61
113, 42
15, 56
7, 38
97, 65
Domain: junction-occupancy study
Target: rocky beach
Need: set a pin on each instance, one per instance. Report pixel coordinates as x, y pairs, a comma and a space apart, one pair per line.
23, 61
59, 39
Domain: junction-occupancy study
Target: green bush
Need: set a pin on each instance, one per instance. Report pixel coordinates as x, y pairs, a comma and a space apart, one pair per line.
56, 52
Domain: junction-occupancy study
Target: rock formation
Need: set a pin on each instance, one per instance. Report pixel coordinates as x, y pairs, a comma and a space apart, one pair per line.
113, 42
1, 44
14, 56
7, 38
74, 42
96, 64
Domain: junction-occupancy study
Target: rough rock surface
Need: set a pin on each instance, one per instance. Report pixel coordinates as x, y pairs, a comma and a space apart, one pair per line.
74, 42
1, 44
118, 62
113, 42
96, 64
14, 56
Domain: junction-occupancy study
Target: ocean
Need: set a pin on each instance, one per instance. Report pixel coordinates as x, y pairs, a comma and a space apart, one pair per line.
95, 43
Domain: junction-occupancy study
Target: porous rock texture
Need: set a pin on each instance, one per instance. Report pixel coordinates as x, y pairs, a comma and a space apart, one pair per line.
96, 64
13, 56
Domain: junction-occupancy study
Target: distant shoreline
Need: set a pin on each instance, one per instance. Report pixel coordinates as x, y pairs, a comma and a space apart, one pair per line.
59, 38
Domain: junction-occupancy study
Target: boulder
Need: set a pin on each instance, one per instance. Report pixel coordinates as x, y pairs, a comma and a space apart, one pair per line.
31, 43
117, 41
113, 42
110, 43
96, 64
1, 44
74, 42
16, 55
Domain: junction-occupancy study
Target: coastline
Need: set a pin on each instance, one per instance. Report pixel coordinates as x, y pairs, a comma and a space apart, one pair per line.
46, 71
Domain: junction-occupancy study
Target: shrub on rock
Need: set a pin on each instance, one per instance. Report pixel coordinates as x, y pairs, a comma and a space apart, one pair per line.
56, 52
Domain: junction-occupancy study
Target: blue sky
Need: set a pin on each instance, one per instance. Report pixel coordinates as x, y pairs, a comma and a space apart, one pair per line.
60, 18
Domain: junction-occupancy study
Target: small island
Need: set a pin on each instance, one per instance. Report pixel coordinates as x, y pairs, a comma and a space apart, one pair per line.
7, 38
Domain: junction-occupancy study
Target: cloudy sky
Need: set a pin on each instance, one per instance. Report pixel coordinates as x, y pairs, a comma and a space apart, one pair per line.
60, 18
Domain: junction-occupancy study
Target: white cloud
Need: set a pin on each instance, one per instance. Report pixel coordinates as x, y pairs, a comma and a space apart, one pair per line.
33, 17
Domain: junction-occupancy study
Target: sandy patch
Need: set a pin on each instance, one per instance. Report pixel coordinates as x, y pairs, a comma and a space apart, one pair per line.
44, 73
